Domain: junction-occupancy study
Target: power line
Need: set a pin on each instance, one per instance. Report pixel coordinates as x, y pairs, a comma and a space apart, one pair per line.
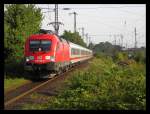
56, 23
105, 7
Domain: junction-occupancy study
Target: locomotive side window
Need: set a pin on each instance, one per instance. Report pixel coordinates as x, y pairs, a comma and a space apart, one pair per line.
77, 52
72, 51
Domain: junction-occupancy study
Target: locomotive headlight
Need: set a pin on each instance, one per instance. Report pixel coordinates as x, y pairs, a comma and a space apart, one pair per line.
47, 57
29, 58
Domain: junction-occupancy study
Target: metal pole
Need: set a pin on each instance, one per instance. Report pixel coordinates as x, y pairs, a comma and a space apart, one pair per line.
115, 39
56, 24
74, 21
56, 19
87, 39
121, 40
82, 32
125, 26
135, 38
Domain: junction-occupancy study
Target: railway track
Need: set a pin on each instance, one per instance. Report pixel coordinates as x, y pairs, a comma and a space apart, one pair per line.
25, 90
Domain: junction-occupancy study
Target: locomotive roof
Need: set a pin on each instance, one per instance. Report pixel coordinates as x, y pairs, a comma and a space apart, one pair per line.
44, 31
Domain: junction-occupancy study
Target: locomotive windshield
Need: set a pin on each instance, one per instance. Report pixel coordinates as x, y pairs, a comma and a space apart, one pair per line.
44, 45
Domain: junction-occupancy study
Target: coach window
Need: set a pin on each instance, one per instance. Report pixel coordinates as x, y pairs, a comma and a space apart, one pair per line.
78, 52
82, 52
72, 51
75, 51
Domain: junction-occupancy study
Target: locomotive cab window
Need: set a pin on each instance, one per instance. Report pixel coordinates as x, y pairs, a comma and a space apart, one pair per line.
43, 44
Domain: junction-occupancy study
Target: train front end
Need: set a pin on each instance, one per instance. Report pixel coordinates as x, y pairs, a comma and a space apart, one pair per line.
39, 53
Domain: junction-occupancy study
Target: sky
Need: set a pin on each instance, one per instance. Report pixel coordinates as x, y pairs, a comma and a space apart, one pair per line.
102, 22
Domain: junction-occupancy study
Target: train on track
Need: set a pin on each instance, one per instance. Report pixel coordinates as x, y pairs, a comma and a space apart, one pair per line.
47, 51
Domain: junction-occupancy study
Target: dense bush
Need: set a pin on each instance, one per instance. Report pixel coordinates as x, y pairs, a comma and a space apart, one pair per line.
98, 55
120, 56
107, 48
140, 56
104, 85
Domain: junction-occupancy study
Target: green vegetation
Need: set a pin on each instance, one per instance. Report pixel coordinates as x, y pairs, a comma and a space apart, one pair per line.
106, 48
105, 85
121, 56
10, 84
39, 105
73, 37
91, 46
33, 106
140, 56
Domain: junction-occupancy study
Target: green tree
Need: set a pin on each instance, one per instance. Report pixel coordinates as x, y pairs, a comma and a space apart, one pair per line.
73, 37
91, 46
20, 21
106, 48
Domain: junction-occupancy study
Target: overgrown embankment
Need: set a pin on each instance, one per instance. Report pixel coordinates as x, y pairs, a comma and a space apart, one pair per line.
105, 85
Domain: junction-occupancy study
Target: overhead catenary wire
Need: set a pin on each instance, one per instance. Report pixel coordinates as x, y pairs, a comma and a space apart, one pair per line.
122, 9
116, 27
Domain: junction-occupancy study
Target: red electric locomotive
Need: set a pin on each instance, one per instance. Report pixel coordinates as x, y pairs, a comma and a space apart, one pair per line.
48, 52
